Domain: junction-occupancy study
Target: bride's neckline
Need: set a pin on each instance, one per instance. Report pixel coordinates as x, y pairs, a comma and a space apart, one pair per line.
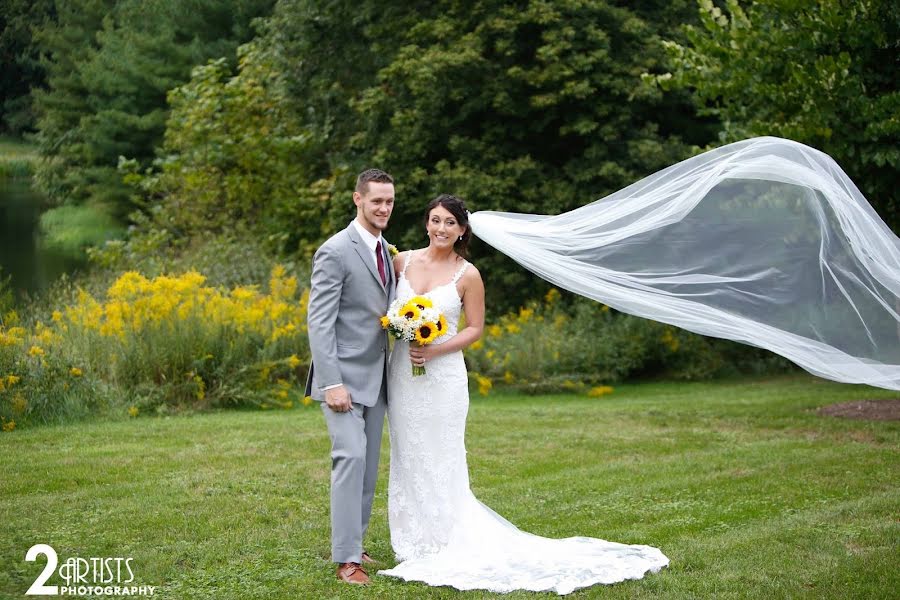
452, 281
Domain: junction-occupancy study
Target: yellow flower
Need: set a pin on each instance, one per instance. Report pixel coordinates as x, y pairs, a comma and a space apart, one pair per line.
57, 316
508, 377
426, 333
36, 351
293, 361
410, 311
551, 296
19, 404
601, 390
604, 308
392, 249
75, 372
442, 325
525, 314
421, 301
484, 385
495, 331
9, 425
133, 411
12, 380
385, 321
477, 345
513, 328
490, 354
307, 400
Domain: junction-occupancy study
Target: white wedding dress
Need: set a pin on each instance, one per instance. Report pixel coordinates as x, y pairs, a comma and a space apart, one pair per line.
439, 531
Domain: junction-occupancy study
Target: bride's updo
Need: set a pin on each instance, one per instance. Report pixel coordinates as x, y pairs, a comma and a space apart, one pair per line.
457, 208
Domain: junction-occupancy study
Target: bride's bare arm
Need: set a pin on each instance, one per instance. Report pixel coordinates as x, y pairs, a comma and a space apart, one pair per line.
473, 306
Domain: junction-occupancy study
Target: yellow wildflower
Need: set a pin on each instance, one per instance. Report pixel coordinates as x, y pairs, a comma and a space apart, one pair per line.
57, 316
294, 361
495, 331
484, 385
75, 372
508, 377
307, 400
12, 380
525, 314
477, 345
133, 411
19, 404
599, 391
9, 425
513, 328
36, 351
551, 296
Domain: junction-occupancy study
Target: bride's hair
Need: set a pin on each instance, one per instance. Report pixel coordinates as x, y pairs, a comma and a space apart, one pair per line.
457, 208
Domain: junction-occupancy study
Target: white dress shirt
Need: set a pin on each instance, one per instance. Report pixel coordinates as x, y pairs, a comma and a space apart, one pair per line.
371, 242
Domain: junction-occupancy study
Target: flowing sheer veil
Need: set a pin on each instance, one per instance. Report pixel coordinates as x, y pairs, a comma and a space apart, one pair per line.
764, 241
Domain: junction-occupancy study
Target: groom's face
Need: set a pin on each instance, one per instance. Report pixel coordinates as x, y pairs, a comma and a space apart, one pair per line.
375, 205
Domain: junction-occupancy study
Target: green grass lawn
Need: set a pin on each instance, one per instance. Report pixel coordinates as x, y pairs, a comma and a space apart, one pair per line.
740, 483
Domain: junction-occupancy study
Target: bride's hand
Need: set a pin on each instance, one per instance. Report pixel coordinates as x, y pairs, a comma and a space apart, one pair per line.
419, 355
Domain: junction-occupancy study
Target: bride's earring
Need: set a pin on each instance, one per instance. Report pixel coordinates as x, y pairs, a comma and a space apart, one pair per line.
460, 238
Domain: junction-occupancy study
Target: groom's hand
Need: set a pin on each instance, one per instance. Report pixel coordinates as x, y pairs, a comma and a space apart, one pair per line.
338, 399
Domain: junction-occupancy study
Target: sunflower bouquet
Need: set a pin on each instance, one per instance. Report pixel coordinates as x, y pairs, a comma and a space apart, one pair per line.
415, 320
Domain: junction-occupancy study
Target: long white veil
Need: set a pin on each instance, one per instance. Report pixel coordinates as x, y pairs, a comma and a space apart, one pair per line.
764, 241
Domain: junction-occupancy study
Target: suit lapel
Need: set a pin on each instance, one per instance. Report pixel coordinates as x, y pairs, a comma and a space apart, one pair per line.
363, 252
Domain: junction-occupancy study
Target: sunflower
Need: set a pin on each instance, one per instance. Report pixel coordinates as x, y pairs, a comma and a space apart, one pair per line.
385, 321
422, 302
426, 333
441, 325
410, 311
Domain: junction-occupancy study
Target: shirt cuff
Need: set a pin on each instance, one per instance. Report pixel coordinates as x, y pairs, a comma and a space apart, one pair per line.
331, 387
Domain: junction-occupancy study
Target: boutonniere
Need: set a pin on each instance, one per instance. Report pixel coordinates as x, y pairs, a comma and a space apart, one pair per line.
392, 249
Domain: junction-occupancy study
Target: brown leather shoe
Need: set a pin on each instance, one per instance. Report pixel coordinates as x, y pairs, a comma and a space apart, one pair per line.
352, 573
368, 560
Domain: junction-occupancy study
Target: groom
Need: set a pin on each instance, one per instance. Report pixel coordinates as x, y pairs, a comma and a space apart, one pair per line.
351, 288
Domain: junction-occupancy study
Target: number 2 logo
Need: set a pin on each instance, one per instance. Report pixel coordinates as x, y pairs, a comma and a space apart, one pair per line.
38, 588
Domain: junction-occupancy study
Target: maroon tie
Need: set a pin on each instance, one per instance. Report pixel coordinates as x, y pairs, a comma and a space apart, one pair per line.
380, 263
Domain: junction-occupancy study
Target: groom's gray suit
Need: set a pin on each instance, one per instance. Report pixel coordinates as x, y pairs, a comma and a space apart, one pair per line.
349, 347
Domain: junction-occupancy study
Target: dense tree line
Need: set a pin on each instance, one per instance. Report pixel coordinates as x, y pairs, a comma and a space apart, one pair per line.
251, 117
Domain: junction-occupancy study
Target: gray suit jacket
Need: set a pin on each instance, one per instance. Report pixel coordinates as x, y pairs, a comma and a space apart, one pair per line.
346, 302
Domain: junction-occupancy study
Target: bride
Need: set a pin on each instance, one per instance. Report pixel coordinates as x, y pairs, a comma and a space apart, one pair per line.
439, 531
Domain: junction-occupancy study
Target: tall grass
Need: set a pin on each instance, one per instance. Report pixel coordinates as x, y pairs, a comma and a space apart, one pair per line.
17, 159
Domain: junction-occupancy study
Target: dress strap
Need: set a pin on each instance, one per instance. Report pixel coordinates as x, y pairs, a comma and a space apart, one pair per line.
406, 264
461, 270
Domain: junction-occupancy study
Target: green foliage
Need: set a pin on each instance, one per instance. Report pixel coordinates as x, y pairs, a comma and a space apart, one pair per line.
109, 66
20, 68
822, 72
533, 107
564, 345
234, 157
71, 229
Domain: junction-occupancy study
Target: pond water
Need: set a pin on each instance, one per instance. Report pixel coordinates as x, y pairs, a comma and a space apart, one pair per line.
22, 256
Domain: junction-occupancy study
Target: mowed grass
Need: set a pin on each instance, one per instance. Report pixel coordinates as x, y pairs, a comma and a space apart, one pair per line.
749, 492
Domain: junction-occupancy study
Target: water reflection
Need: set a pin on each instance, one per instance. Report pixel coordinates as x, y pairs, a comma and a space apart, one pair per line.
31, 266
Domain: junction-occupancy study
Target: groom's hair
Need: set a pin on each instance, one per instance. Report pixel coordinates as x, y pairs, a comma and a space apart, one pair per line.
376, 175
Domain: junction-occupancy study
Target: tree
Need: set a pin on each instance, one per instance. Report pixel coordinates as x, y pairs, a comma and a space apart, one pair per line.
20, 68
531, 106
822, 72
109, 66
